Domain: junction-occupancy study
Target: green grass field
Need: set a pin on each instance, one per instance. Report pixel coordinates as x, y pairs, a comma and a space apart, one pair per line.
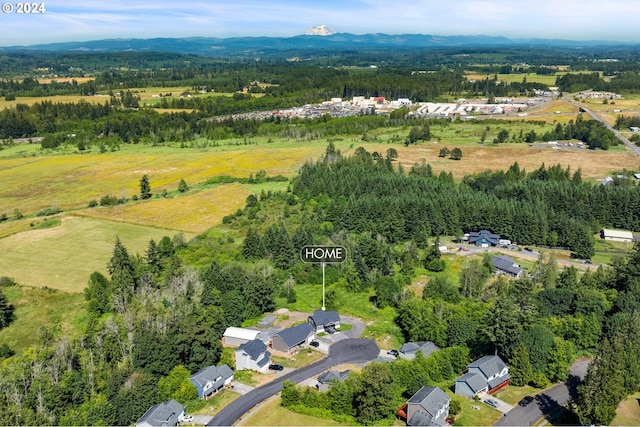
63, 257
628, 413
57, 310
270, 413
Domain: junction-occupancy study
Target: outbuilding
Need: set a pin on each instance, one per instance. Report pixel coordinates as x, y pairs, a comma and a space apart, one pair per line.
235, 337
617, 235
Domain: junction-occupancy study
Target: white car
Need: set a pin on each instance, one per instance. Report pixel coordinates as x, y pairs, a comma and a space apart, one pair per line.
186, 419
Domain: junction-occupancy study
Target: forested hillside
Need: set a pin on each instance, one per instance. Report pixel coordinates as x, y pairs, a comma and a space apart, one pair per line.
157, 317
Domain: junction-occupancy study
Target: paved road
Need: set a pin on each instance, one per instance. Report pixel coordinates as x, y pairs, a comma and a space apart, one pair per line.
630, 145
345, 351
547, 401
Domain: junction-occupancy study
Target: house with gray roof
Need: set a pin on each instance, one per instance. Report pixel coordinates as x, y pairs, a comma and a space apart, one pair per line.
324, 321
428, 407
161, 415
329, 376
410, 349
483, 238
291, 338
488, 374
211, 379
253, 356
506, 265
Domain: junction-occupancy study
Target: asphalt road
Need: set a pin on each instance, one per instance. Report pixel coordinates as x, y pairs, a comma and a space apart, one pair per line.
345, 351
547, 401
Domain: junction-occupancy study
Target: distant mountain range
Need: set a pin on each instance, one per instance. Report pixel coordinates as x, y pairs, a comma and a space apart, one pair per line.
321, 39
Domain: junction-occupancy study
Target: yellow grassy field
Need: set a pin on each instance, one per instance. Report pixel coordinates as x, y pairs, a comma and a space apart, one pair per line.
64, 257
594, 164
193, 213
30, 100
71, 181
66, 79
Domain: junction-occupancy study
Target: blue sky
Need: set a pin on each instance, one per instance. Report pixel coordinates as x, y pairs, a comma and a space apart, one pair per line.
80, 20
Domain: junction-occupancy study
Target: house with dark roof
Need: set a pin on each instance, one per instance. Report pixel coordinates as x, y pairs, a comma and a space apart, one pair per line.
211, 379
504, 264
488, 374
409, 349
428, 407
324, 321
484, 238
253, 355
161, 415
291, 338
329, 376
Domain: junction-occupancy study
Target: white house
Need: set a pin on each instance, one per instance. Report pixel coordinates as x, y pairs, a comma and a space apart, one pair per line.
488, 374
253, 356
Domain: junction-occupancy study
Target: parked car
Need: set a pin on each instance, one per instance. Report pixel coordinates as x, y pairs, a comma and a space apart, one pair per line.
276, 367
314, 344
491, 402
186, 419
394, 353
525, 401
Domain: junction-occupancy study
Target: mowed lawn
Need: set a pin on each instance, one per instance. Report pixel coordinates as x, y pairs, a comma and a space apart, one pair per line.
628, 412
72, 180
64, 257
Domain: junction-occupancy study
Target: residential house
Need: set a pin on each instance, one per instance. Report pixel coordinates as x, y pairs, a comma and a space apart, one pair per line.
329, 376
487, 374
617, 235
409, 349
161, 415
428, 407
211, 379
506, 265
287, 340
234, 336
324, 321
483, 238
253, 356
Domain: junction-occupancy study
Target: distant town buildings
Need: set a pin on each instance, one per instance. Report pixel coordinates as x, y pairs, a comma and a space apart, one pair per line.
359, 105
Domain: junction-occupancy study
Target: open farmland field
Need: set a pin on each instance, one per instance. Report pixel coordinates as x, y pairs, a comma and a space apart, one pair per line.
549, 80
64, 257
71, 181
30, 100
65, 80
194, 212
594, 164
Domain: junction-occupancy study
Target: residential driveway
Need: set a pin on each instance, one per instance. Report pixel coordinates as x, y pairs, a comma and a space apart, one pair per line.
201, 420
547, 401
503, 406
345, 351
358, 326
241, 388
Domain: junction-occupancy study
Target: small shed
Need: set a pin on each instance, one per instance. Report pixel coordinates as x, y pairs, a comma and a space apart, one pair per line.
235, 337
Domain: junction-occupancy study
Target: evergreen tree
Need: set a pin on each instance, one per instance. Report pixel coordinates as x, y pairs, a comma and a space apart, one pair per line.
520, 366
145, 188
182, 186
252, 247
123, 278
7, 314
98, 294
